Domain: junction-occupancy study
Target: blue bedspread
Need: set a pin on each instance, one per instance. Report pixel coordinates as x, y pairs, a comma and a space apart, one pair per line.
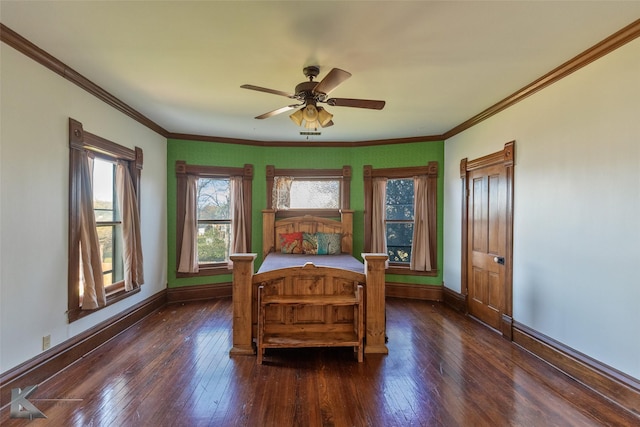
275, 261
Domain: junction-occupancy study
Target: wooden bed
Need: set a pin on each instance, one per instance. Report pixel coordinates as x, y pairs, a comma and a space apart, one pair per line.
308, 305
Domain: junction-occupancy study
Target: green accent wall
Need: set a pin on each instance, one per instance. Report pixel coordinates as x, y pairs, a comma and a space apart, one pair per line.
235, 155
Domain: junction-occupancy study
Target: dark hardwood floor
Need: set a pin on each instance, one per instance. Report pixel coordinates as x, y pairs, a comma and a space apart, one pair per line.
443, 369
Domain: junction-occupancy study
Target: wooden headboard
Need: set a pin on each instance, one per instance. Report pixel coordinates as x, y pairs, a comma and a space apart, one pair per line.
272, 228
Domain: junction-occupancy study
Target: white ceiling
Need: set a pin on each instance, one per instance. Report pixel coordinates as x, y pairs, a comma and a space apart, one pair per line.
436, 63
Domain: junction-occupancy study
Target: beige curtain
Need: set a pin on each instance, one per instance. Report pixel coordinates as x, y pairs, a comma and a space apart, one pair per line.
90, 259
281, 197
420, 256
378, 229
238, 221
131, 241
189, 250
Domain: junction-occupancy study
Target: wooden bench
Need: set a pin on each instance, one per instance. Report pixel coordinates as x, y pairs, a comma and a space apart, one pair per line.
280, 325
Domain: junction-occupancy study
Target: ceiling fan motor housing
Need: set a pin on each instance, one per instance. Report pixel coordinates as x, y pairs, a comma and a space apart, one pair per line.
304, 90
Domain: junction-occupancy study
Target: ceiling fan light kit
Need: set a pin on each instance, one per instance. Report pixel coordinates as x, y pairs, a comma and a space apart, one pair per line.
310, 113
324, 117
312, 117
297, 117
310, 93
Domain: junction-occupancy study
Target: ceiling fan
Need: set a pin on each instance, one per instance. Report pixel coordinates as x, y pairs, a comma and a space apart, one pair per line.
310, 93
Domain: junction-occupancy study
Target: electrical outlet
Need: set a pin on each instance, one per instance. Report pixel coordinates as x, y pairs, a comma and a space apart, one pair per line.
46, 342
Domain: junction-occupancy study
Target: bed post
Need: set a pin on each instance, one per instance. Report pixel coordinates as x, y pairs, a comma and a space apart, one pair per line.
346, 217
241, 291
374, 266
268, 233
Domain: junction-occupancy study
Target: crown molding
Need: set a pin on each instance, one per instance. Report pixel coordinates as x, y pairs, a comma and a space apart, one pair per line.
262, 143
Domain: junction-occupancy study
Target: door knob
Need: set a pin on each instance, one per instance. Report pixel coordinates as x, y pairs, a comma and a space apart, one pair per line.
499, 260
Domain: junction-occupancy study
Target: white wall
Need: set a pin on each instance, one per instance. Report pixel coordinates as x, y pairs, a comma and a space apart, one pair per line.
35, 105
576, 207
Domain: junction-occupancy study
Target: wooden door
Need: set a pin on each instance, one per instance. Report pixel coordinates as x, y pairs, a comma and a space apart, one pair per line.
487, 244
488, 219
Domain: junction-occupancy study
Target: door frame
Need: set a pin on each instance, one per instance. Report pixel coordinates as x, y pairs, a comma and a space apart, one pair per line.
506, 158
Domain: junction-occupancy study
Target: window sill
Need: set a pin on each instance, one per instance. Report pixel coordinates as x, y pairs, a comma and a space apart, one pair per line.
212, 270
113, 296
290, 213
397, 269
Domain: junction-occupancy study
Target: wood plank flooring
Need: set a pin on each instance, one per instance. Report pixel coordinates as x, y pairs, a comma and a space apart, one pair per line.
443, 369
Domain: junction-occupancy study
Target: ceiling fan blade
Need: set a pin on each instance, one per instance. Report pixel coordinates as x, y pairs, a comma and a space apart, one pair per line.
358, 103
330, 123
331, 81
264, 89
278, 111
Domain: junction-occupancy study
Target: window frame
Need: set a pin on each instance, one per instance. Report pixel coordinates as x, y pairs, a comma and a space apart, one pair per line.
343, 175
182, 171
80, 140
431, 170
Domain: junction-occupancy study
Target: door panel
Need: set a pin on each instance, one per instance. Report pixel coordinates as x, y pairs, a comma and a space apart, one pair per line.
479, 231
496, 214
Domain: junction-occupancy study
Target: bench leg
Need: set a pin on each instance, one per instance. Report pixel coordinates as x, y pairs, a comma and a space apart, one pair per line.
260, 337
360, 327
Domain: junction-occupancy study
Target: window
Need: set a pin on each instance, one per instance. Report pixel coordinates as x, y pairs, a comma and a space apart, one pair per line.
316, 191
214, 220
108, 223
400, 204
399, 217
213, 217
306, 193
104, 223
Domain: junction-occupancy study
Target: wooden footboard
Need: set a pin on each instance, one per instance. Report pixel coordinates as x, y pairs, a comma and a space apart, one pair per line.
320, 312
309, 280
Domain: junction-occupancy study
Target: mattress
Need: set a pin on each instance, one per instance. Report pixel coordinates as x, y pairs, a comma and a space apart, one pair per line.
275, 261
